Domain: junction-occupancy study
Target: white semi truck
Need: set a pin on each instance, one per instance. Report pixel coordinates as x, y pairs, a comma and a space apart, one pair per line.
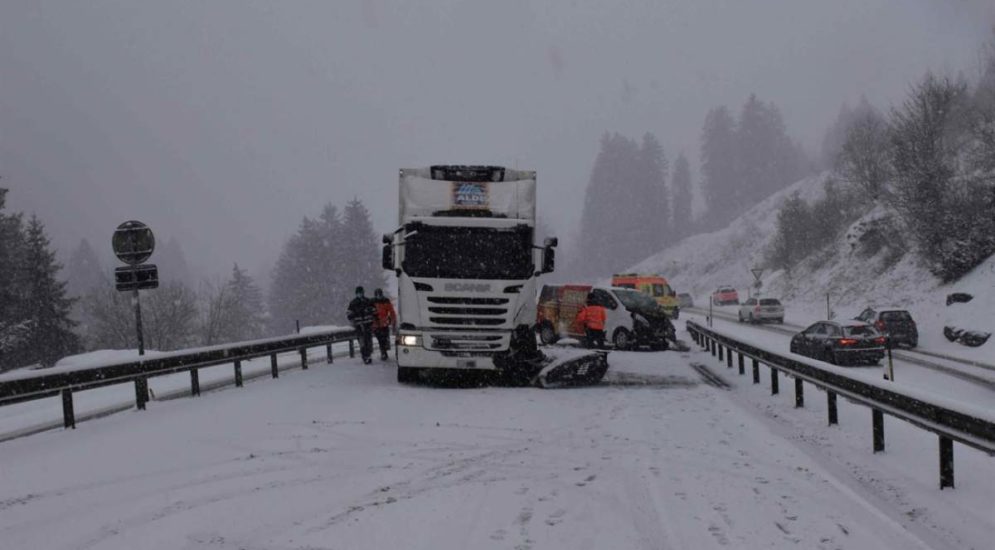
466, 267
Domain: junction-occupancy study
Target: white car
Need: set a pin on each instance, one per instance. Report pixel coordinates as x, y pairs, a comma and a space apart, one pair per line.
758, 310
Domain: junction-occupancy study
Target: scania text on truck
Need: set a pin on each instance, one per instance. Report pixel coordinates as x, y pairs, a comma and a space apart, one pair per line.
466, 267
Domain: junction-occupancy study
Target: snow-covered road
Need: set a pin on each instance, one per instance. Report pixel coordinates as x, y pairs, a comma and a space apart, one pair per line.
343, 457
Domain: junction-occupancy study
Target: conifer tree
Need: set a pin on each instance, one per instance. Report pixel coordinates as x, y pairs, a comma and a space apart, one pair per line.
360, 250
681, 182
653, 205
247, 313
43, 302
718, 167
84, 272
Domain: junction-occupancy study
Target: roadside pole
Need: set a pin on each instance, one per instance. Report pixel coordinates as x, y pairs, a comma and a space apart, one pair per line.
138, 323
891, 365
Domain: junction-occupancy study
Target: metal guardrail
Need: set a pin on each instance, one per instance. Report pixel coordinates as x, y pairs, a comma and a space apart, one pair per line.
19, 390
949, 424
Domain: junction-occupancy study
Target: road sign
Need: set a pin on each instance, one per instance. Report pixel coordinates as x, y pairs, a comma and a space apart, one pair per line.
137, 277
133, 242
757, 272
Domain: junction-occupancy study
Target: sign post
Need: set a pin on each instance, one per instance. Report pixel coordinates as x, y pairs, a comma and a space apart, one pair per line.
133, 243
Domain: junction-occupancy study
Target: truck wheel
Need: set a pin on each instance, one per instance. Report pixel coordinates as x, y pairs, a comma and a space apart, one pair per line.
408, 375
547, 334
622, 339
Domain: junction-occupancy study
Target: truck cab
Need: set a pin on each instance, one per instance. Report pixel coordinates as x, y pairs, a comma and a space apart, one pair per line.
467, 266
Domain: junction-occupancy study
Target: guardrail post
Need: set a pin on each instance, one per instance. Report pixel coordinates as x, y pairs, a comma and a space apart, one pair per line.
831, 407
141, 393
946, 463
742, 369
304, 358
69, 417
728, 357
877, 421
799, 393
774, 389
238, 373
756, 371
721, 350
272, 366
194, 382
328, 352
352, 348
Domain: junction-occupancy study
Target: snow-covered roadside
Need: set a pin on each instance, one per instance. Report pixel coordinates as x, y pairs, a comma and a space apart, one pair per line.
345, 457
33, 415
910, 379
701, 263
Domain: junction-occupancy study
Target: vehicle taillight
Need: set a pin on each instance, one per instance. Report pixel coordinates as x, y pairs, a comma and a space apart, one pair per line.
880, 340
846, 341
879, 324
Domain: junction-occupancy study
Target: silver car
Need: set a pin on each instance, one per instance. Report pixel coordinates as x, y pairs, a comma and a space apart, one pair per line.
758, 310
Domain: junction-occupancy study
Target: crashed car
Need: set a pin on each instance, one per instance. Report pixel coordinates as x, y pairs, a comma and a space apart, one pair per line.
969, 319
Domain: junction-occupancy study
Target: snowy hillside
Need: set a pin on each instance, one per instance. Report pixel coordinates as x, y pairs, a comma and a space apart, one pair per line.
701, 263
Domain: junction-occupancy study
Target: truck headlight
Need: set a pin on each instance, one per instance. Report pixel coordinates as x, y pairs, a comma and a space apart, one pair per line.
410, 340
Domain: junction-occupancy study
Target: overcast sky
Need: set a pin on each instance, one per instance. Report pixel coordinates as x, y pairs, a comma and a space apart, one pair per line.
222, 123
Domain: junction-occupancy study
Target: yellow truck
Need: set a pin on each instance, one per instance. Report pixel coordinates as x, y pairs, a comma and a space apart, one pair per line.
653, 285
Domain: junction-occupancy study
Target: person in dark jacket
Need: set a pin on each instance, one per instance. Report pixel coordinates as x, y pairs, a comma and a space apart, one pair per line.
385, 320
361, 314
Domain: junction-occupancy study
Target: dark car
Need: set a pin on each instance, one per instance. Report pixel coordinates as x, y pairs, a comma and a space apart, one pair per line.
897, 324
847, 342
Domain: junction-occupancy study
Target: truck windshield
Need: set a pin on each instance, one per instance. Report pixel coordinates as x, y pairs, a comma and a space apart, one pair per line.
449, 252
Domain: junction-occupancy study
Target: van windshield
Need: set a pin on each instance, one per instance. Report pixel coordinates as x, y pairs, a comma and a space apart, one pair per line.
661, 290
636, 301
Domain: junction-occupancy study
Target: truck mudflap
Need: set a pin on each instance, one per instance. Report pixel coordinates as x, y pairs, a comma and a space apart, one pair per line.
572, 368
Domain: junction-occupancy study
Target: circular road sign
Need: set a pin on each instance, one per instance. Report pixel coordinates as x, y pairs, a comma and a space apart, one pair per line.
133, 242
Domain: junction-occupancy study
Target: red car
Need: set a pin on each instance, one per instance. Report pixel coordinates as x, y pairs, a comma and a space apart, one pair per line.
725, 295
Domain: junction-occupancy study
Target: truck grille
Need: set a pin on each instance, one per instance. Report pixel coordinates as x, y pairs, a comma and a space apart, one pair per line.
466, 342
460, 311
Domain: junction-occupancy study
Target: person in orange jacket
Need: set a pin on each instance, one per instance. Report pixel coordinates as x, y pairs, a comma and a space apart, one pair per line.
592, 316
384, 320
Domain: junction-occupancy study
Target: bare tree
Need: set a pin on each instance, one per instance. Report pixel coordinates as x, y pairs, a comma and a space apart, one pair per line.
863, 158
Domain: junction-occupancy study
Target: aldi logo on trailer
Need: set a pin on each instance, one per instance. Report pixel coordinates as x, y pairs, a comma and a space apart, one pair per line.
470, 195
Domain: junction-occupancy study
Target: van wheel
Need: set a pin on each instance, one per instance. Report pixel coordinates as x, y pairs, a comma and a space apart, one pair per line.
408, 375
752, 320
622, 339
547, 335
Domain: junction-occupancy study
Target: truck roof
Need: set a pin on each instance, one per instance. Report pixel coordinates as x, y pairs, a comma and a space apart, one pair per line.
509, 194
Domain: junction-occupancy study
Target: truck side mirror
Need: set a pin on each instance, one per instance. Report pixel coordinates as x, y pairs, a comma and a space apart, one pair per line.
386, 238
548, 259
551, 242
387, 260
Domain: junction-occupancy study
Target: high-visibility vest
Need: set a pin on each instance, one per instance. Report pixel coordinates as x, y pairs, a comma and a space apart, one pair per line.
592, 317
385, 314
